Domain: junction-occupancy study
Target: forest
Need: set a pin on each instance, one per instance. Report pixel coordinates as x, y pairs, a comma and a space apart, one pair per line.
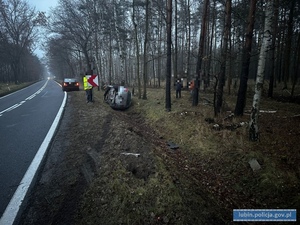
221, 44
237, 52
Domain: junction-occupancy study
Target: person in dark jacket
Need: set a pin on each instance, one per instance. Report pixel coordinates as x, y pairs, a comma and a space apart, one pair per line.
178, 89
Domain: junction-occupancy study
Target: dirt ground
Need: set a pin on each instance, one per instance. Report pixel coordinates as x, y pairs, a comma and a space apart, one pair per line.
114, 167
92, 162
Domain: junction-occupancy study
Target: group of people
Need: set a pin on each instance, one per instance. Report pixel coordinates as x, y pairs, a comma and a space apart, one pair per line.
89, 91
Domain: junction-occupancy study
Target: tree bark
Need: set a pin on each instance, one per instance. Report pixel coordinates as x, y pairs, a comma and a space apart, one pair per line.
266, 43
287, 53
242, 92
297, 68
169, 55
137, 50
176, 43
200, 54
222, 73
275, 26
145, 51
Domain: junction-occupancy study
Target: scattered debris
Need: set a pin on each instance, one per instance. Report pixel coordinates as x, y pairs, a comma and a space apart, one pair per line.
231, 127
295, 116
243, 123
267, 111
255, 166
183, 113
216, 127
172, 145
128, 153
229, 117
262, 111
190, 113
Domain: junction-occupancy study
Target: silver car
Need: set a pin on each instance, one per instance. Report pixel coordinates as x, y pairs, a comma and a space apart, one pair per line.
118, 97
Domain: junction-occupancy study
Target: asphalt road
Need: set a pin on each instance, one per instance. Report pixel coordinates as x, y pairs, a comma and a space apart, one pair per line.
25, 119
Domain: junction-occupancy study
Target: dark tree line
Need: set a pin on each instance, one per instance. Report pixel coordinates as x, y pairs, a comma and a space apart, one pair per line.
127, 40
18, 36
218, 43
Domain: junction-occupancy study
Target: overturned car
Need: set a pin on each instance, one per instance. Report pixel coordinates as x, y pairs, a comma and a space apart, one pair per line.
118, 97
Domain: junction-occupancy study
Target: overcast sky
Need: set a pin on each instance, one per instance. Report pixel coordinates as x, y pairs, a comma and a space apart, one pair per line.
45, 6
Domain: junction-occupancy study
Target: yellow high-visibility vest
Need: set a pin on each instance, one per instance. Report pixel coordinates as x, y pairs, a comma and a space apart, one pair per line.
86, 85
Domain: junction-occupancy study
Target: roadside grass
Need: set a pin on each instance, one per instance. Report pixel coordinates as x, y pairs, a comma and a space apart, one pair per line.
226, 153
7, 88
209, 175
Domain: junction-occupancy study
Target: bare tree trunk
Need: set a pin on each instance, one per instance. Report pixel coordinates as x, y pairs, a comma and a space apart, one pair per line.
275, 25
169, 55
212, 37
287, 54
137, 50
176, 43
188, 43
297, 67
120, 49
266, 43
280, 48
222, 73
200, 53
159, 63
242, 92
145, 51
110, 60
229, 60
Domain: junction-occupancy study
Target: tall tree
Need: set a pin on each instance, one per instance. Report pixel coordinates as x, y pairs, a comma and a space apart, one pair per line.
275, 28
137, 49
169, 55
73, 20
241, 98
296, 73
266, 43
145, 51
176, 41
200, 53
221, 78
287, 52
20, 22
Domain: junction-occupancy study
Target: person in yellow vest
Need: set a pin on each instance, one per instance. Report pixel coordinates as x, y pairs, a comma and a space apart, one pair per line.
88, 89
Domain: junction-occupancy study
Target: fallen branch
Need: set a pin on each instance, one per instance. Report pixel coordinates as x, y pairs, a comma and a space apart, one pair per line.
295, 116
263, 111
268, 111
128, 153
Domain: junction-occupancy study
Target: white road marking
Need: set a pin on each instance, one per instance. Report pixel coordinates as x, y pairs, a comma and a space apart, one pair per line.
12, 210
22, 102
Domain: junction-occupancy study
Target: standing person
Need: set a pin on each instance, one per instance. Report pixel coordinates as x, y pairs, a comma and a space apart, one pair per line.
178, 89
88, 90
90, 94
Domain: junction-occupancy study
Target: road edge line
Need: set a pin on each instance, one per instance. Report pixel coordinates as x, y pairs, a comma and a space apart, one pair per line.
12, 210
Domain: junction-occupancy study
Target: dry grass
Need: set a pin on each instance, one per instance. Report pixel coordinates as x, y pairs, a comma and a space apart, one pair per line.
224, 154
199, 183
6, 88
